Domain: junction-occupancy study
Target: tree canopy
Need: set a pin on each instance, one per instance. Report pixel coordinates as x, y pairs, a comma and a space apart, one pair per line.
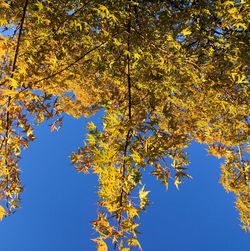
165, 73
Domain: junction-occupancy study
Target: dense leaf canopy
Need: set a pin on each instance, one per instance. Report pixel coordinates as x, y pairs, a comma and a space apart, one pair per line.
166, 73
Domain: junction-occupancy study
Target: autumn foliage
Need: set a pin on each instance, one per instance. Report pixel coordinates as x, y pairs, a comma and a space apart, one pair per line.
166, 73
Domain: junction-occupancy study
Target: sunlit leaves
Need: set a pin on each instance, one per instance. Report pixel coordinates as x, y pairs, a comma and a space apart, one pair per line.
2, 213
187, 65
143, 195
162, 174
101, 245
186, 31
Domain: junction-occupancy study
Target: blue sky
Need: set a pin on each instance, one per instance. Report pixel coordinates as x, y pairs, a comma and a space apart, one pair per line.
58, 203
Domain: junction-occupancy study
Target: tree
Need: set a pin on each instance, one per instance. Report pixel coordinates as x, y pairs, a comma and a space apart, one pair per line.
166, 73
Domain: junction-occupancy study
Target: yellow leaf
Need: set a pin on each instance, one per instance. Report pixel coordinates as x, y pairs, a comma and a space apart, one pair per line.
2, 213
121, 248
91, 126
186, 31
134, 242
233, 10
101, 245
228, 3
5, 5
143, 195
177, 182
240, 26
136, 157
8, 92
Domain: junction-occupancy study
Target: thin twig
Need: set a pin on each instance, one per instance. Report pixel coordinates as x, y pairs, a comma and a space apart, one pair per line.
71, 64
19, 37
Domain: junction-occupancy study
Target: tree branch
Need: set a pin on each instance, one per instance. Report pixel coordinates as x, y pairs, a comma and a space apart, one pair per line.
70, 65
19, 37
130, 130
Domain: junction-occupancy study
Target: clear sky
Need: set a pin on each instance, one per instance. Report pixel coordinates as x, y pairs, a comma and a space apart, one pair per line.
58, 203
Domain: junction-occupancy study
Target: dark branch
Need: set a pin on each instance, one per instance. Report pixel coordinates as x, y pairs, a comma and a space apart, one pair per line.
19, 37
